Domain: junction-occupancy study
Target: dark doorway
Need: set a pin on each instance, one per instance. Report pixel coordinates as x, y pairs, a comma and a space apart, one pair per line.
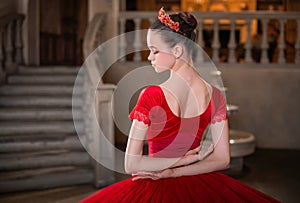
62, 27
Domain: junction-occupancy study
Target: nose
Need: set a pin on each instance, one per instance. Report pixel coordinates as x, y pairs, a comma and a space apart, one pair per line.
150, 57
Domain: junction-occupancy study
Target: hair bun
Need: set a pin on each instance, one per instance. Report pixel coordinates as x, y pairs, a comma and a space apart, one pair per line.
189, 19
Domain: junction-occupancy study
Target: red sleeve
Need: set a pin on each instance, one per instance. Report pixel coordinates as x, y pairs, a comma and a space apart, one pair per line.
220, 110
148, 98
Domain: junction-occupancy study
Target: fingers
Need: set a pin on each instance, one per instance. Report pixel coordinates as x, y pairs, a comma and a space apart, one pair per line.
194, 151
142, 173
145, 175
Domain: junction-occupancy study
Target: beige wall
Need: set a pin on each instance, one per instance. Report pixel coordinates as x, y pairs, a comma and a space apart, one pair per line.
111, 7
269, 103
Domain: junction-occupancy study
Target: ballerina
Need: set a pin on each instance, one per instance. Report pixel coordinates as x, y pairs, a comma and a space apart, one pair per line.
173, 117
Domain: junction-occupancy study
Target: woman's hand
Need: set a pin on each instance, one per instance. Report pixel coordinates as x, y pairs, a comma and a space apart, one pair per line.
191, 156
167, 173
196, 154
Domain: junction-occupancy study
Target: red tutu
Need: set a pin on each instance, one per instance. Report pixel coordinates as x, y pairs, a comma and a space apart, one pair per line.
164, 141
206, 188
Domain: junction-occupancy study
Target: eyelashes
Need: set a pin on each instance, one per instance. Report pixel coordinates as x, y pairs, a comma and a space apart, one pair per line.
154, 51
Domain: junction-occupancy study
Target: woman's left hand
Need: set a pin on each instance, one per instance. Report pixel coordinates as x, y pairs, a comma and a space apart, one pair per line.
167, 173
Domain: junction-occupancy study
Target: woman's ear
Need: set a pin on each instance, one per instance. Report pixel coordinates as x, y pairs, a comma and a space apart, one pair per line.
178, 51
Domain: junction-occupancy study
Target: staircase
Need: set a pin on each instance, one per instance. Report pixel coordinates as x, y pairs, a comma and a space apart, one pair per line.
39, 147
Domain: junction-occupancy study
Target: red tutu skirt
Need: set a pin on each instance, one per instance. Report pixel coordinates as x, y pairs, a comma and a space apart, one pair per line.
211, 187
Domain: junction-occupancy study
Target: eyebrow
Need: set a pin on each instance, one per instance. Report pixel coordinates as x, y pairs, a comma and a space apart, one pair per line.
152, 47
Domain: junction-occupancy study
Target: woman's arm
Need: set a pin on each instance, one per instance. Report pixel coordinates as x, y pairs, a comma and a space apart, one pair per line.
135, 161
219, 159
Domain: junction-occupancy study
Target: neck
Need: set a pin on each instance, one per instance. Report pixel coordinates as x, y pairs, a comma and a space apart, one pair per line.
183, 72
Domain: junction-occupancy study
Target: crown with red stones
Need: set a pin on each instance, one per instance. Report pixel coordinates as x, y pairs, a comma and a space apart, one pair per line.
166, 20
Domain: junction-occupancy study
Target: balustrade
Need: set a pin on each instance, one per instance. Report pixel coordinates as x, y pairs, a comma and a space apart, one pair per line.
240, 25
11, 44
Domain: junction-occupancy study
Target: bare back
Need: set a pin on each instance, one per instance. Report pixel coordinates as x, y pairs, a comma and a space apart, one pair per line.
187, 100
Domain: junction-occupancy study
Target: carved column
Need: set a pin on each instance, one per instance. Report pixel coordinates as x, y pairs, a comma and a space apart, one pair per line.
200, 39
216, 43
122, 40
200, 31
281, 45
9, 65
248, 46
18, 41
232, 43
264, 44
137, 40
2, 73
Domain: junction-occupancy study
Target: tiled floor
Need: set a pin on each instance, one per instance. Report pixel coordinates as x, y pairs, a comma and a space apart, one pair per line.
275, 172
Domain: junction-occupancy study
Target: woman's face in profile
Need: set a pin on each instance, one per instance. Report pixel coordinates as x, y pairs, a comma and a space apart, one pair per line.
161, 56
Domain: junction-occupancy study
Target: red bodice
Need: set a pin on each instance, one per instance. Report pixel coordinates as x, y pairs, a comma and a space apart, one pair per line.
170, 135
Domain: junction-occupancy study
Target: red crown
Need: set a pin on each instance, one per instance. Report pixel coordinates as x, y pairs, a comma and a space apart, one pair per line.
166, 20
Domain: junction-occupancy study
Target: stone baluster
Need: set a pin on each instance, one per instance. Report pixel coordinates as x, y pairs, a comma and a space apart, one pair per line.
137, 41
216, 43
89, 139
200, 40
2, 73
87, 115
200, 33
232, 43
281, 45
122, 40
297, 45
18, 41
9, 65
264, 44
248, 46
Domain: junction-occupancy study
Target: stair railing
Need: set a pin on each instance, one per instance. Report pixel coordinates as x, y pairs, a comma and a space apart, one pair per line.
11, 44
97, 104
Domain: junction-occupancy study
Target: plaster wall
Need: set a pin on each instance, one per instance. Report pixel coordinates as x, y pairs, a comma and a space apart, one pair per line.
268, 100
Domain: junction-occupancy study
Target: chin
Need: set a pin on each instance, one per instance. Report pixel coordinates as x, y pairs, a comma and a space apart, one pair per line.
159, 69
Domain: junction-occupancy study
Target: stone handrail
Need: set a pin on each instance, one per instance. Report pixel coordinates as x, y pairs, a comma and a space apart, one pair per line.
255, 46
97, 115
11, 43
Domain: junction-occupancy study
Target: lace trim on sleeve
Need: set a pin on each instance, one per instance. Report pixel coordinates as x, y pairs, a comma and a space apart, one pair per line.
140, 117
219, 118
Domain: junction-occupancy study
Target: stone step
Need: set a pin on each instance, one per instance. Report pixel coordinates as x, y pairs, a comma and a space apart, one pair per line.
40, 101
44, 179
44, 79
19, 128
40, 114
48, 70
35, 143
37, 90
39, 137
44, 161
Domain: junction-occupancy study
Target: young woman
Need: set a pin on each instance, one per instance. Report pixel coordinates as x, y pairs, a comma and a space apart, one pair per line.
173, 117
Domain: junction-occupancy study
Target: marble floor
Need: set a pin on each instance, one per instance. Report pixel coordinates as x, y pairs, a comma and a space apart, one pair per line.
272, 171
